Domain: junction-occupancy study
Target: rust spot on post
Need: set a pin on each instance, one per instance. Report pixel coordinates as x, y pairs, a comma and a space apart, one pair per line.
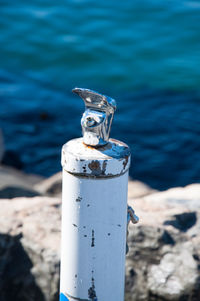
92, 244
104, 167
125, 162
99, 147
95, 167
91, 291
78, 199
88, 146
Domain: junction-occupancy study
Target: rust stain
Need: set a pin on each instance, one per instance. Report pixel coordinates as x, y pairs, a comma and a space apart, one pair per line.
94, 165
125, 162
84, 169
92, 244
79, 199
104, 167
95, 168
91, 291
99, 147
111, 175
88, 146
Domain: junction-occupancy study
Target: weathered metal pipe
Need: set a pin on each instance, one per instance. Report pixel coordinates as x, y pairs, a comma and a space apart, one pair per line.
94, 207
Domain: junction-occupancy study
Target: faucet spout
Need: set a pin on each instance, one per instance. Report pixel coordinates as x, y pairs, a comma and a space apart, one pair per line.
97, 118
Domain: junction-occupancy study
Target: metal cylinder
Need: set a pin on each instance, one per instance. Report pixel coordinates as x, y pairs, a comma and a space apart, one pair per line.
94, 221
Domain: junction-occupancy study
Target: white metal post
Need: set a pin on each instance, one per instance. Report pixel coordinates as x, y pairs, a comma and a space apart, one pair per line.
94, 217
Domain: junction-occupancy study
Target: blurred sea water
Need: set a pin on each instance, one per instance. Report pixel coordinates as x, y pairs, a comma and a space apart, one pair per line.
144, 53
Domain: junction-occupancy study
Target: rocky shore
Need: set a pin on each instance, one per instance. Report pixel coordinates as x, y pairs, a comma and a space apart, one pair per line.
163, 262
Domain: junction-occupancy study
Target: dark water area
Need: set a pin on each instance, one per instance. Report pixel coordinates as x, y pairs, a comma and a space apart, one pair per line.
145, 54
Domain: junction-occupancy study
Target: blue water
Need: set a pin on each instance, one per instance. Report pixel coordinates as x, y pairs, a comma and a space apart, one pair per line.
144, 53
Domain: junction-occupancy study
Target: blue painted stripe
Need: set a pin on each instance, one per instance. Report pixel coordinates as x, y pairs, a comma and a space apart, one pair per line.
63, 297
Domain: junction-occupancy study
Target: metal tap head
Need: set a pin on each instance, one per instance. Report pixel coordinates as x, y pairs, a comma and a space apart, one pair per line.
97, 118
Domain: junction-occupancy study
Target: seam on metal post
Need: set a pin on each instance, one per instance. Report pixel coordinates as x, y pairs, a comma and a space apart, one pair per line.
76, 298
91, 177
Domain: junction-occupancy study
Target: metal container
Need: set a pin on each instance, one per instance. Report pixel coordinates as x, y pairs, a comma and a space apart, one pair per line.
94, 207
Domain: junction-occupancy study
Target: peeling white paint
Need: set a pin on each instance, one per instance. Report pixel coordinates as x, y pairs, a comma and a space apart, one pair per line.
94, 220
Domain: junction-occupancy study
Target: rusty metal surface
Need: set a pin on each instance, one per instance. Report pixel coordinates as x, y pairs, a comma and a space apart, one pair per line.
112, 159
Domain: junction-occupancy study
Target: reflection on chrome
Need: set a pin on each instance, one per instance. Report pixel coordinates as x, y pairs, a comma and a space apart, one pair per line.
97, 118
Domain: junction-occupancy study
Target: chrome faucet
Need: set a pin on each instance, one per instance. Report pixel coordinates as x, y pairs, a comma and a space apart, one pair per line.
97, 118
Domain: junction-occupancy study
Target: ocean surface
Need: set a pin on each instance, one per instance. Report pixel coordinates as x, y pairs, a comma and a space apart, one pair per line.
143, 53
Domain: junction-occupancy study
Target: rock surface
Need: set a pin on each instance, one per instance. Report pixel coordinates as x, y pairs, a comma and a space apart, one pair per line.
29, 248
14, 183
163, 262
164, 258
51, 186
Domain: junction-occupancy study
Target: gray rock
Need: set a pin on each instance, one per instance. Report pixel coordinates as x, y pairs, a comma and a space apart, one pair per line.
174, 278
29, 248
12, 192
51, 186
163, 260
15, 183
16, 280
12, 177
161, 266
